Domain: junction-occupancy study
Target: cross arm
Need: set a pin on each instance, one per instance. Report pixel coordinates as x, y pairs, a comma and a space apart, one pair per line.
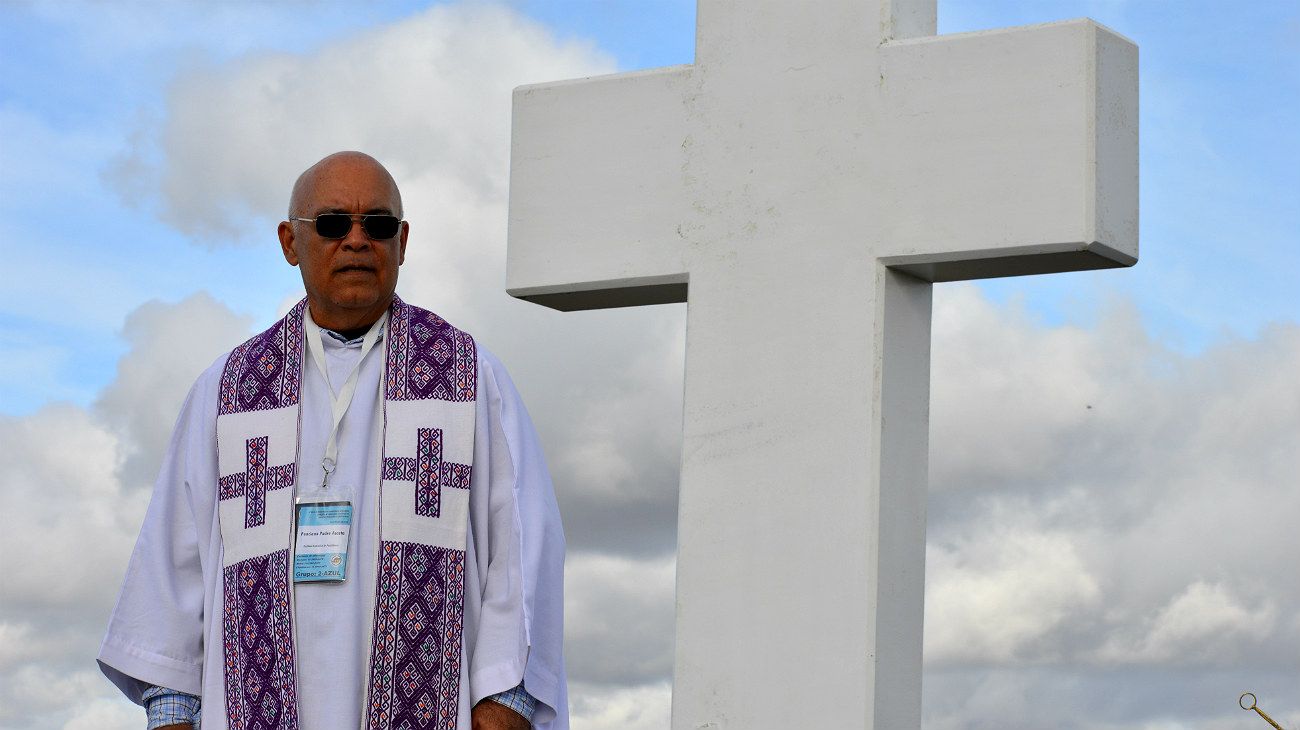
1010, 152
596, 191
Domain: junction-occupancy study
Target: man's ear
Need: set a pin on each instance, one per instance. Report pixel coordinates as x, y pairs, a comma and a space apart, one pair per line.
285, 232
401, 237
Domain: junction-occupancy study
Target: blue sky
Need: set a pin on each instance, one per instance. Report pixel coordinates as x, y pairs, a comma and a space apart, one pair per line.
1086, 427
1220, 163
1218, 169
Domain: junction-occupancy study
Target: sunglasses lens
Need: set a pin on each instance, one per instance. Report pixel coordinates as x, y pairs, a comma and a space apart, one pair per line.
380, 227
333, 225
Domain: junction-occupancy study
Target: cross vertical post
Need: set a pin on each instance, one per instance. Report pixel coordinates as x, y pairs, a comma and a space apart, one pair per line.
801, 186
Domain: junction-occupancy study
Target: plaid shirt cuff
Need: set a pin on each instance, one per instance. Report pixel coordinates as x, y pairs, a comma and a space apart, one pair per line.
169, 707
518, 700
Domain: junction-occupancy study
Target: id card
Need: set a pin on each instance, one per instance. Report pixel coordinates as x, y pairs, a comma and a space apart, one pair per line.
321, 546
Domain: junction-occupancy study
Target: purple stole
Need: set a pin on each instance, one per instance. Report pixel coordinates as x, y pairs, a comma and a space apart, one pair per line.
414, 676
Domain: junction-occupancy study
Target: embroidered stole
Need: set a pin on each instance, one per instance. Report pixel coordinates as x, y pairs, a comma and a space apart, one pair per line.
430, 376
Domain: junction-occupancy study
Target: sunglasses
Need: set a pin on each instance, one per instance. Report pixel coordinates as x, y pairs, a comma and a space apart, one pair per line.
380, 227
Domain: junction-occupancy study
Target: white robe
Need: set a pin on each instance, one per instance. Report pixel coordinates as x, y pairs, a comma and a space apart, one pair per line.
170, 607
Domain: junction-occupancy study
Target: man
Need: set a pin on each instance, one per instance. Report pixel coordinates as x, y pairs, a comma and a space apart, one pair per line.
353, 526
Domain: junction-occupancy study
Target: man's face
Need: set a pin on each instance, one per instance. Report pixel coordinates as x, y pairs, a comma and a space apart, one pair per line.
349, 280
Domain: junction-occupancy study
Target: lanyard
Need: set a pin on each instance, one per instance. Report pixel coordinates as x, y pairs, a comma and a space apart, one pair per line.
338, 403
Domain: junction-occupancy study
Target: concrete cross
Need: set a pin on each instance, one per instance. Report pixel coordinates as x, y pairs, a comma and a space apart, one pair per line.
800, 186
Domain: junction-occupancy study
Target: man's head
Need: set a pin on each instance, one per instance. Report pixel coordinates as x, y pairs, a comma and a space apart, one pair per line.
349, 280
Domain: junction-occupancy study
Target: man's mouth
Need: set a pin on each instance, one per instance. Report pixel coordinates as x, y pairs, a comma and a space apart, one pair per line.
355, 267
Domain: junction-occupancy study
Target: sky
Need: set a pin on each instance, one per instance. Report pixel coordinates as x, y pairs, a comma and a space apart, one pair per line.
1113, 500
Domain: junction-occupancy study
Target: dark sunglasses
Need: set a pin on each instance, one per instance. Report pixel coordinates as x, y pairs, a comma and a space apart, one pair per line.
380, 227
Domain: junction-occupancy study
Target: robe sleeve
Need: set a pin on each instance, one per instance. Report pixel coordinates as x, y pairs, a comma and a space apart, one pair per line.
155, 634
525, 575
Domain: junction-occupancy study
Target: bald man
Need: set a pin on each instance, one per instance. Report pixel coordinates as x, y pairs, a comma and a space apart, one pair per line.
353, 525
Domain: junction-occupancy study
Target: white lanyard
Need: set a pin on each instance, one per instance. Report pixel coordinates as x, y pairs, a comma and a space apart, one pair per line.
339, 403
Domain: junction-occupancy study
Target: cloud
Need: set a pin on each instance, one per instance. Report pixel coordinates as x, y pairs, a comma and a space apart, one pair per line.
997, 593
600, 707
1112, 523
104, 714
1149, 569
616, 479
1206, 621
41, 696
76, 482
607, 394
68, 518
619, 620
429, 96
170, 344
1041, 698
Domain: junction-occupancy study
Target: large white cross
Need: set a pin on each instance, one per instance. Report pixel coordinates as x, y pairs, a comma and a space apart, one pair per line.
800, 186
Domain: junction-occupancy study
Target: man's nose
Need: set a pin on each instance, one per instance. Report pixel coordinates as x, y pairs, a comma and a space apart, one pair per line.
356, 239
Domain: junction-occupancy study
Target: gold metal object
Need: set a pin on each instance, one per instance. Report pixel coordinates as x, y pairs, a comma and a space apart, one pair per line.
1252, 706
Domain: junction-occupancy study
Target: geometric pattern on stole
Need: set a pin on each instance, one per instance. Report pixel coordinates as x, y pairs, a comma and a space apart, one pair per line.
257, 445
430, 391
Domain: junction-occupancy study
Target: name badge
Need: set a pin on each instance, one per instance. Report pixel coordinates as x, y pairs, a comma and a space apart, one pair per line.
320, 552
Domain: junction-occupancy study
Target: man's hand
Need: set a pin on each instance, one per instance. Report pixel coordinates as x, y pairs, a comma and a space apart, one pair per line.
489, 715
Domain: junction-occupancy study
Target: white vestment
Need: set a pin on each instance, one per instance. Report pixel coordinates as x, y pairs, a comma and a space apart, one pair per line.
166, 629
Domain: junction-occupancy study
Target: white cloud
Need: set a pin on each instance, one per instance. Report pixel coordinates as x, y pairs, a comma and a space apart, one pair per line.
42, 690
1152, 555
37, 697
1205, 623
998, 592
600, 707
1013, 399
429, 96
441, 122
619, 620
170, 345
1048, 698
1110, 521
75, 488
16, 642
105, 714
67, 520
